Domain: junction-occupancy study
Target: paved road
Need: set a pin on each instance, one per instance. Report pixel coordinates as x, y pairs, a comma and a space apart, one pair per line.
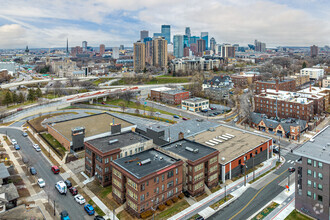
255, 197
43, 166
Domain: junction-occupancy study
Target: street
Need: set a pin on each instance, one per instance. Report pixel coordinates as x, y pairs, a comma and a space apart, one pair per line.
255, 197
43, 167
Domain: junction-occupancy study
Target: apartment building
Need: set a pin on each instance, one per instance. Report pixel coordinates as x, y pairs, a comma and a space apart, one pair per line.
317, 91
195, 104
300, 79
168, 95
313, 73
200, 167
101, 151
146, 180
312, 176
284, 85
282, 104
245, 79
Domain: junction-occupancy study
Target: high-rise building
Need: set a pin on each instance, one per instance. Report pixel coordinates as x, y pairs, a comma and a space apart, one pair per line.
145, 40
139, 57
212, 44
312, 176
200, 47
76, 50
186, 41
166, 32
217, 49
205, 36
121, 47
194, 48
178, 46
144, 34
102, 49
314, 51
259, 46
186, 51
187, 32
193, 39
228, 51
84, 46
157, 35
159, 53
149, 51
67, 46
115, 52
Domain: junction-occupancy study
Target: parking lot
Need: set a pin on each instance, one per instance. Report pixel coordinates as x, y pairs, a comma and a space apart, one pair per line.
215, 110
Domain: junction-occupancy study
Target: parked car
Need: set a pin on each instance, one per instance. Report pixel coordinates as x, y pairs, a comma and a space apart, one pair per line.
55, 169
68, 183
24, 134
200, 218
213, 108
73, 191
35, 146
157, 113
13, 141
17, 147
61, 187
211, 115
80, 199
37, 149
33, 171
175, 116
64, 215
41, 183
235, 119
98, 217
204, 110
89, 209
291, 169
185, 119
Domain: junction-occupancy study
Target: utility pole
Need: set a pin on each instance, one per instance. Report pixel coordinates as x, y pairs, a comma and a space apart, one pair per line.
279, 149
225, 192
253, 155
244, 174
289, 182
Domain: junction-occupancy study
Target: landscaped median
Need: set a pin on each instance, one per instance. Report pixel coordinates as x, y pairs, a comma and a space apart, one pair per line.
265, 211
221, 202
264, 174
295, 215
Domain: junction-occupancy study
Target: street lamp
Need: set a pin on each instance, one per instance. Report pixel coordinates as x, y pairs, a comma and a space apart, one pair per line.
253, 155
279, 149
225, 192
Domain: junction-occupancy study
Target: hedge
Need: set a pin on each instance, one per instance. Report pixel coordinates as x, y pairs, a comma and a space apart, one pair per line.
169, 202
146, 214
175, 199
181, 196
162, 207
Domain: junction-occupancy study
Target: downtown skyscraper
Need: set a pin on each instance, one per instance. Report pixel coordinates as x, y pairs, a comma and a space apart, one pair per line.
166, 32
178, 46
205, 36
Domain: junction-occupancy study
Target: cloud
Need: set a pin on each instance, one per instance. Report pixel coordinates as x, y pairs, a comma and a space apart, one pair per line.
12, 36
114, 22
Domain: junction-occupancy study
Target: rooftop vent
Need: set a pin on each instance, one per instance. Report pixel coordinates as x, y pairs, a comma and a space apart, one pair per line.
160, 158
113, 141
324, 148
328, 144
146, 161
189, 149
196, 151
223, 159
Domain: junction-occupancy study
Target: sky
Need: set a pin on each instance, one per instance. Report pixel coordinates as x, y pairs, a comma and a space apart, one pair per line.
47, 24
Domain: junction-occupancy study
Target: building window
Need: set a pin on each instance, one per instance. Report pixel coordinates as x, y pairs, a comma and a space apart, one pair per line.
309, 183
213, 160
320, 176
176, 170
147, 183
132, 204
213, 177
320, 165
309, 193
142, 187
106, 170
239, 161
111, 158
132, 184
98, 158
198, 177
170, 184
320, 187
309, 172
176, 181
116, 192
147, 194
320, 198
132, 194
157, 179
142, 198
214, 168
170, 174
116, 183
163, 177
309, 161
163, 187
117, 173
314, 163
106, 160
88, 151
157, 190
199, 185
198, 167
314, 185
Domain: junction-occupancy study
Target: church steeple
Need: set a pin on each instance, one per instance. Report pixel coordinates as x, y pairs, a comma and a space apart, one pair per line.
27, 49
67, 46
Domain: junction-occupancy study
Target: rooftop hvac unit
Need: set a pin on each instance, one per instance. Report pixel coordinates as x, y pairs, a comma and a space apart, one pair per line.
160, 158
196, 151
189, 149
209, 143
217, 140
230, 135
113, 141
146, 161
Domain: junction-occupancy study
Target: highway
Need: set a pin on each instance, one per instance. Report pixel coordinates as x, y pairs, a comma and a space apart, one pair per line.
258, 195
43, 167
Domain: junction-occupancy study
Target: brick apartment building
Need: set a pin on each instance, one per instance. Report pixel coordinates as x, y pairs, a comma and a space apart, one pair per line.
200, 164
245, 79
282, 104
285, 85
168, 95
101, 151
312, 176
145, 180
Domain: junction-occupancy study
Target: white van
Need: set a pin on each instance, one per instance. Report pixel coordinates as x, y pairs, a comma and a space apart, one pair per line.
61, 187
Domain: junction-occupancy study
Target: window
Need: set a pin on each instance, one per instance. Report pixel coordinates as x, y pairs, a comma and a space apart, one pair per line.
314, 196
213, 160
88, 151
132, 194
170, 184
314, 174
176, 189
132, 204
170, 174
319, 198
147, 194
163, 197
320, 176
314, 163
106, 170
98, 158
198, 176
199, 185
190, 168
309, 161
320, 165
176, 171
163, 187
309, 193
111, 158
309, 183
147, 183
131, 184
116, 183
163, 177
320, 187
314, 185
214, 168
106, 160
142, 198
157, 190
239, 161
142, 187
157, 179
213, 177
176, 181
199, 167
116, 192
309, 172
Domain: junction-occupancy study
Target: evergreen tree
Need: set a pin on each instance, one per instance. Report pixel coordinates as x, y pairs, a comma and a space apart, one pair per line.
304, 65
8, 99
21, 97
31, 95
38, 92
15, 97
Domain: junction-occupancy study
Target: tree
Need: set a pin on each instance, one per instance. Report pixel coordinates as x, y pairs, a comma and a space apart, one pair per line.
15, 97
304, 65
8, 98
127, 96
21, 97
31, 95
122, 106
38, 92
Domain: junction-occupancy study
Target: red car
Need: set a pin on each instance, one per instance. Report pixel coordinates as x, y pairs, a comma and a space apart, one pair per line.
73, 191
103, 103
55, 169
185, 119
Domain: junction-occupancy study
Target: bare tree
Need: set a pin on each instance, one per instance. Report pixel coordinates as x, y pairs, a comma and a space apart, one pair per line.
72, 81
127, 96
122, 106
87, 85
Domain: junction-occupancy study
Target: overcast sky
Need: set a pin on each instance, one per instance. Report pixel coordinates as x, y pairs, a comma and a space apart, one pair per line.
44, 23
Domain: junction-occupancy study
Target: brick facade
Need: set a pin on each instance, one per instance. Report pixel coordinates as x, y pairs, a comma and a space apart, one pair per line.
287, 85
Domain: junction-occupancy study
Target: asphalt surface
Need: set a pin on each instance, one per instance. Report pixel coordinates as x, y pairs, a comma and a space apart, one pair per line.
43, 167
253, 199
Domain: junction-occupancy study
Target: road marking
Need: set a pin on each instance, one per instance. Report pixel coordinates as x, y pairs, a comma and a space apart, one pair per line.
289, 161
292, 162
256, 195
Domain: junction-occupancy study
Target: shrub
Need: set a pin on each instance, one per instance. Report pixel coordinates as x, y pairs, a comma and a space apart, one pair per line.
175, 199
146, 214
169, 202
161, 207
181, 196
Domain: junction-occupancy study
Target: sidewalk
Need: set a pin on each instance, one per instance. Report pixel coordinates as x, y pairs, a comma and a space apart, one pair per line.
236, 189
67, 171
27, 182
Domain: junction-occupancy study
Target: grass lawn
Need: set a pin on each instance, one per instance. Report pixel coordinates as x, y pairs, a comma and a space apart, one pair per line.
36, 122
295, 215
201, 197
156, 80
174, 209
220, 202
101, 80
265, 211
214, 189
104, 194
125, 215
54, 143
97, 209
21, 104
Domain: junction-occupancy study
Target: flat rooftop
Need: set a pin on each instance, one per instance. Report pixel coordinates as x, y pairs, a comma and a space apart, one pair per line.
318, 148
274, 81
93, 124
161, 89
196, 99
174, 92
238, 141
119, 140
158, 162
187, 149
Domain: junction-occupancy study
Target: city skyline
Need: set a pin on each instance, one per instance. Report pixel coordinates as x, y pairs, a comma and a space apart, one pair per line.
49, 24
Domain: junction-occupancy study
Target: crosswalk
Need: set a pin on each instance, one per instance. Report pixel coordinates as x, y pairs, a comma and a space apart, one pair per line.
291, 161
